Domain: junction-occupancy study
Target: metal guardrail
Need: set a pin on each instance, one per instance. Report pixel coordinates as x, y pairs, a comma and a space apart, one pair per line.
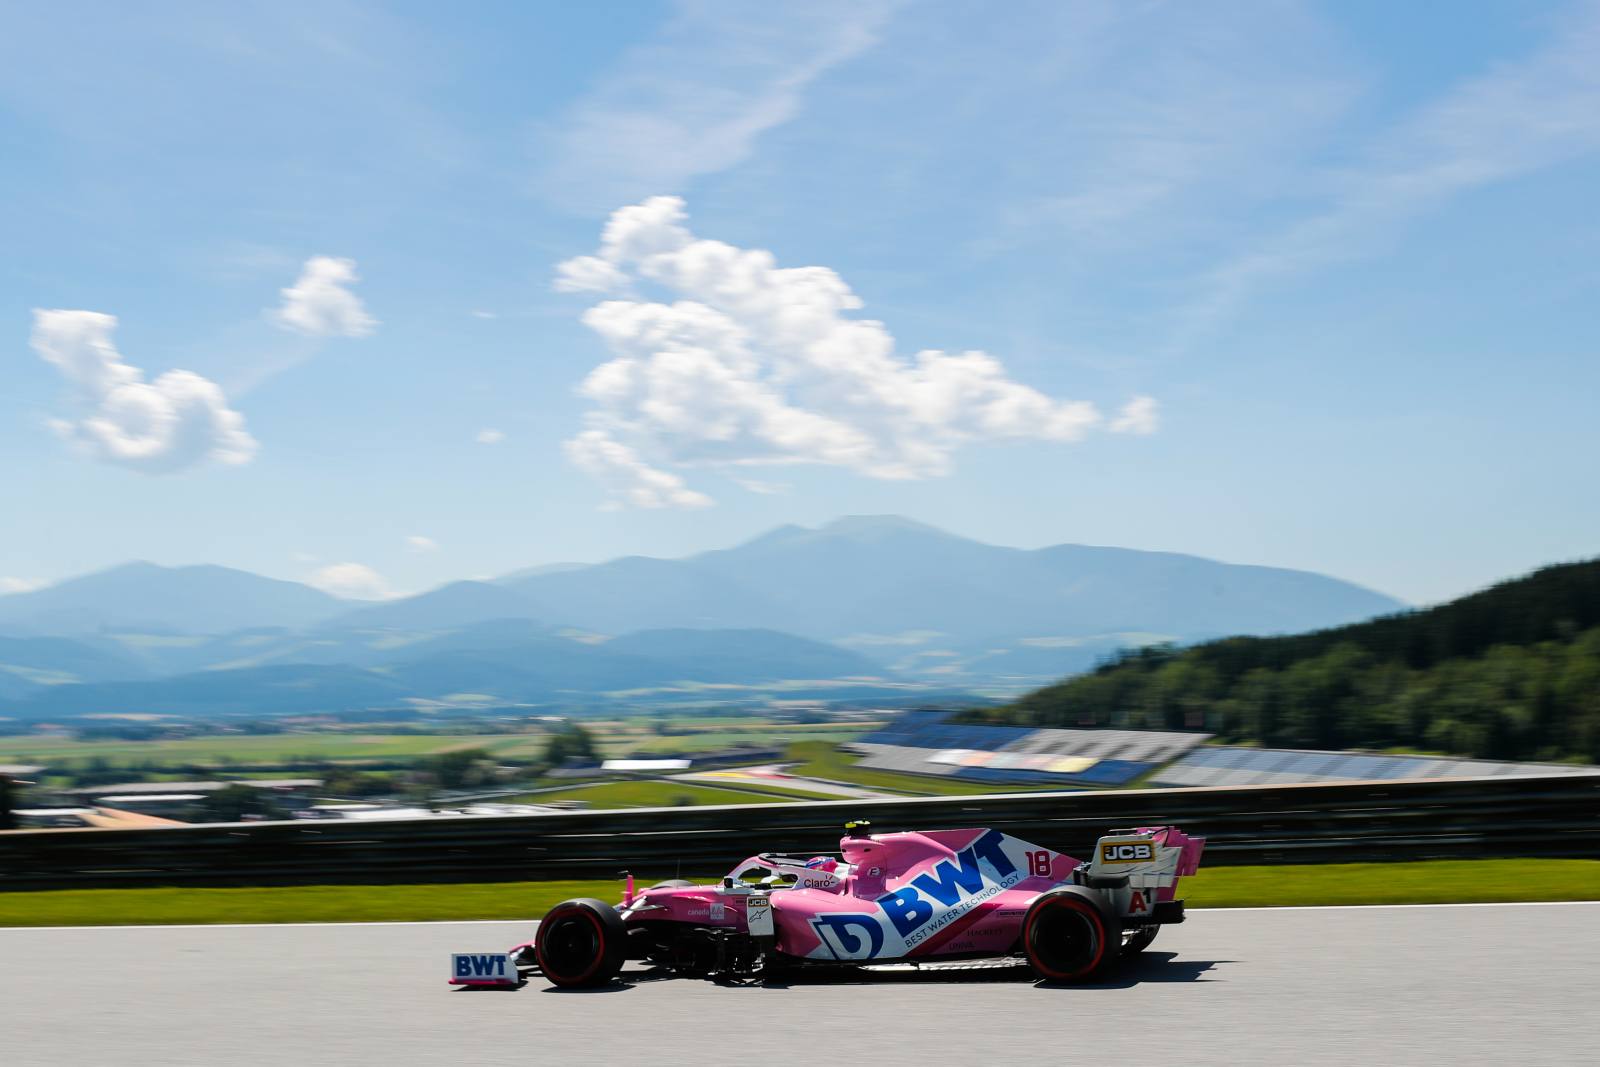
1400, 820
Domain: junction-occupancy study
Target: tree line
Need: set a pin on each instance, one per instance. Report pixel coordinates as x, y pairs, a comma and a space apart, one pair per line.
1509, 673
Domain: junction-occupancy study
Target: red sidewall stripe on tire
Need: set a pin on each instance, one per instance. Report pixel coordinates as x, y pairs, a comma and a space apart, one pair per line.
1083, 908
600, 944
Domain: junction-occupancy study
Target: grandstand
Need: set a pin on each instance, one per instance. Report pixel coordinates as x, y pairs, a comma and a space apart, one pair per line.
1221, 765
923, 742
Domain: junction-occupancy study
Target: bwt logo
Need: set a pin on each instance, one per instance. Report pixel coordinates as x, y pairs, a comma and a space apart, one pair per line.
910, 907
1126, 852
843, 935
481, 966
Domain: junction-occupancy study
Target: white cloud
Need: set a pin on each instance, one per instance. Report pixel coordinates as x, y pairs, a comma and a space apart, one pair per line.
589, 274
178, 420
631, 479
905, 637
1141, 415
356, 581
762, 486
489, 437
479, 313
694, 100
419, 543
320, 303
753, 364
20, 585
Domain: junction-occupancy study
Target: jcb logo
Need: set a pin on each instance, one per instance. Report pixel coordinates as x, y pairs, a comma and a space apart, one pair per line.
1126, 852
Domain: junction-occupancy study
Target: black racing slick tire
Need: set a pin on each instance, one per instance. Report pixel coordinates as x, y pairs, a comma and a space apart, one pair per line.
581, 943
1069, 936
1139, 939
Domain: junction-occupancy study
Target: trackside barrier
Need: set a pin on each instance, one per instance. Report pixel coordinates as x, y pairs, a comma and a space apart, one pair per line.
1403, 820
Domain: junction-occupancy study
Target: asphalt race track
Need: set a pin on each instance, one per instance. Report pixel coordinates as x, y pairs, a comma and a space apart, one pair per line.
1511, 984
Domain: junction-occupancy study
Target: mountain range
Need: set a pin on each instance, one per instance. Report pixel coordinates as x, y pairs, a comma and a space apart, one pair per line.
880, 598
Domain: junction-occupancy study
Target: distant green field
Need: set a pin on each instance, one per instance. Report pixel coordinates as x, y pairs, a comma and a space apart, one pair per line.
267, 748
1436, 882
615, 739
650, 795
767, 737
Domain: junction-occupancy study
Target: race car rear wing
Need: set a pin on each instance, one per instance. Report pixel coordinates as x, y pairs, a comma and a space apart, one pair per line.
1138, 869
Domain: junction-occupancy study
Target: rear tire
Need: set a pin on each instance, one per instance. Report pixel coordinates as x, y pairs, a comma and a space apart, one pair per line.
581, 943
1067, 936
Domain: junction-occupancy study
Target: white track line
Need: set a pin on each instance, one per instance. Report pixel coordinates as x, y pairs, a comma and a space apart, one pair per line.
503, 922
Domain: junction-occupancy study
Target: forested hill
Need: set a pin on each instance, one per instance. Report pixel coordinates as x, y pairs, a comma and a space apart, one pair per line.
1512, 672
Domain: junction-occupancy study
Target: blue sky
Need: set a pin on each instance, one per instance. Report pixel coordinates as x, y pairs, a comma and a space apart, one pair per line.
1310, 285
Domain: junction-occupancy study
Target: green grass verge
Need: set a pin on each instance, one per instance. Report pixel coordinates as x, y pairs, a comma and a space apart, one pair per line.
819, 759
1434, 882
295, 904
761, 785
1431, 882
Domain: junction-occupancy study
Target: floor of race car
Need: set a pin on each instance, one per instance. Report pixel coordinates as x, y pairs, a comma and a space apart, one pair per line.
1448, 985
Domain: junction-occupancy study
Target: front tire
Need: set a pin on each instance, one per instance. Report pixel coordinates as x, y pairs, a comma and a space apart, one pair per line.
581, 943
1067, 936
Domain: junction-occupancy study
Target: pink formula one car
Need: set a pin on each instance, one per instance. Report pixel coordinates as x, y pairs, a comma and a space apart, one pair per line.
885, 898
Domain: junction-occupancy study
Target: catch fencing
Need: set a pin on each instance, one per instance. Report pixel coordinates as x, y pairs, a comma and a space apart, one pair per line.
1345, 822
